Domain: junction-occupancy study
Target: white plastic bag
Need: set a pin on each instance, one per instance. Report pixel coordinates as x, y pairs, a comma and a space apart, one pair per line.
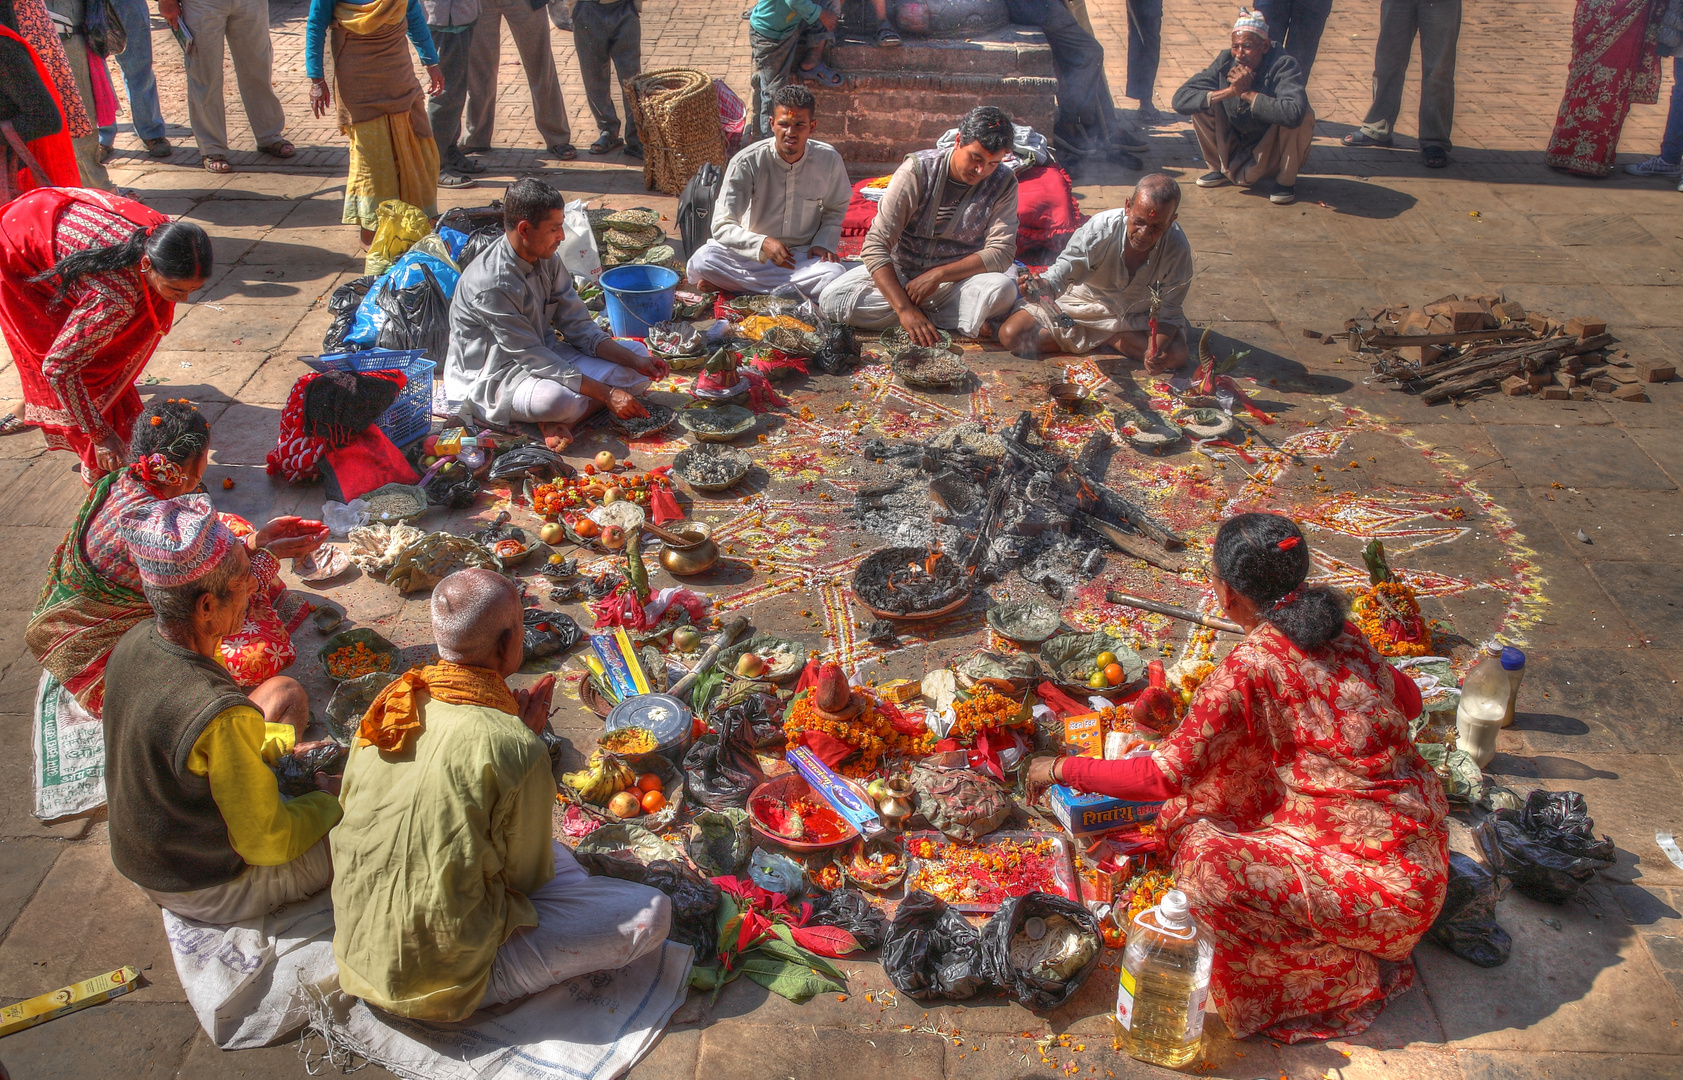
578, 249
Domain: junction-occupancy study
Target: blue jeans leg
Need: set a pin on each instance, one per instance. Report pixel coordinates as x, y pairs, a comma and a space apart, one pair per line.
1671, 146
136, 62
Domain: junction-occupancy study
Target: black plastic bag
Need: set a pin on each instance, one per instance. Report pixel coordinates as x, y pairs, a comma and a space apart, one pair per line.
1548, 848
478, 240
851, 910
468, 220
1467, 924
453, 486
547, 633
531, 461
751, 721
1031, 990
295, 774
716, 774
839, 352
416, 318
695, 900
344, 302
931, 952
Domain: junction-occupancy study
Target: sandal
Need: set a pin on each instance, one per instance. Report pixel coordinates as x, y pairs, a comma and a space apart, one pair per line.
564, 153
279, 148
887, 36
608, 143
1361, 138
821, 73
1434, 157
216, 163
11, 425
159, 148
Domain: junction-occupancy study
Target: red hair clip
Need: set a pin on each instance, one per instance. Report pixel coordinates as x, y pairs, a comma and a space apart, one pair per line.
1288, 543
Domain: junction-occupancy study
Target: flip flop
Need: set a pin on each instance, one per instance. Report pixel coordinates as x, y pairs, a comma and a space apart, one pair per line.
216, 163
1360, 138
279, 148
821, 73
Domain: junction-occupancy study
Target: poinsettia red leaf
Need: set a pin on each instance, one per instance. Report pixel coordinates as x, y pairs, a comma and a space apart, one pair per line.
826, 940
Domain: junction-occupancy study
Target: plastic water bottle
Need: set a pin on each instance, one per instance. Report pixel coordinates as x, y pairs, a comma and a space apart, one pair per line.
1164, 983
1513, 664
1484, 703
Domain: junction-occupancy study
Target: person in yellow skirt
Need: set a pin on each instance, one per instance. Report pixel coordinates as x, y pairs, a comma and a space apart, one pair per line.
381, 108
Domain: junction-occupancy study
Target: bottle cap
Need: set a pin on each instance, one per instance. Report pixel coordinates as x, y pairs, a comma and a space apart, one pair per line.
1512, 659
1493, 648
1173, 908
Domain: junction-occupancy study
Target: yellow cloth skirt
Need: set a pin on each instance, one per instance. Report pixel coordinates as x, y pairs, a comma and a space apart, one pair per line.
388, 161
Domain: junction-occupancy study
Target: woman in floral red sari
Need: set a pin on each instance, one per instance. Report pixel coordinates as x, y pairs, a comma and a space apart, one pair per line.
1304, 826
88, 287
1614, 64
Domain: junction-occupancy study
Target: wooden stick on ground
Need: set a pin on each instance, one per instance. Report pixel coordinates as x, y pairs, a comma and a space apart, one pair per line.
733, 627
1174, 612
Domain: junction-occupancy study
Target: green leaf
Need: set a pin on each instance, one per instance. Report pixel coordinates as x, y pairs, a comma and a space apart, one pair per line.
784, 948
794, 980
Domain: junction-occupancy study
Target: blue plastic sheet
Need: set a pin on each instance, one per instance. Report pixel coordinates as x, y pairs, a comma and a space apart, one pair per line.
365, 328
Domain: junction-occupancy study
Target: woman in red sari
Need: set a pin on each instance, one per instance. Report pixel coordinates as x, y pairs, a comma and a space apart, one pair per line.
1305, 828
88, 286
1613, 66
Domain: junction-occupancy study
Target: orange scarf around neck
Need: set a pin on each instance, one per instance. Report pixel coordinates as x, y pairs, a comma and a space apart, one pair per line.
393, 721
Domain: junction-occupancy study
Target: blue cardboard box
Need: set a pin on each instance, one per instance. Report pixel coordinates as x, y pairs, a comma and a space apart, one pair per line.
1088, 815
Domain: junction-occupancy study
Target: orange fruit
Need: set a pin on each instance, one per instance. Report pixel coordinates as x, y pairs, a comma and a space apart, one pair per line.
1113, 674
653, 802
650, 782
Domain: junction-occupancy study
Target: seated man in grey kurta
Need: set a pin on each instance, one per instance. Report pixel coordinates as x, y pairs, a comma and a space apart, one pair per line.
523, 347
779, 216
1102, 290
945, 236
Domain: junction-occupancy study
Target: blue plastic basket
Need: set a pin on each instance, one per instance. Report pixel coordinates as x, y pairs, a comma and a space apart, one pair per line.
410, 416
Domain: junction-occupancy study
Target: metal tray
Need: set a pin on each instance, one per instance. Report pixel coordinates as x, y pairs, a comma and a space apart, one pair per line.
1063, 881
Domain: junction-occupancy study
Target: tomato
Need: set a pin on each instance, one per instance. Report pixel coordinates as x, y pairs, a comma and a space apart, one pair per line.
650, 782
653, 802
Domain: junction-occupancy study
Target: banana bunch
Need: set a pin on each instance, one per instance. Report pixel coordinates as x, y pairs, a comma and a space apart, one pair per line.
603, 777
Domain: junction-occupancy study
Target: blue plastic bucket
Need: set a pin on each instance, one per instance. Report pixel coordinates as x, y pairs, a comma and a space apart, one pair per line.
637, 297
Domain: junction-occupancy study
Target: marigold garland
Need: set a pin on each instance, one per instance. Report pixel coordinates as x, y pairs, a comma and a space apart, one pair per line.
868, 732
987, 709
985, 873
1389, 615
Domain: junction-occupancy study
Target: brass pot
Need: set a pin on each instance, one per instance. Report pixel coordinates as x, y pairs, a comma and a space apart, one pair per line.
696, 557
898, 806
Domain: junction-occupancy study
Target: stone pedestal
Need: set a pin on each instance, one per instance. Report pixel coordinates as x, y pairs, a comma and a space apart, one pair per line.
896, 100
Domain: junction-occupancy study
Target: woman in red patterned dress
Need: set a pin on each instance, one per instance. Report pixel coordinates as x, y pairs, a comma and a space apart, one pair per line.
1614, 64
1304, 826
88, 287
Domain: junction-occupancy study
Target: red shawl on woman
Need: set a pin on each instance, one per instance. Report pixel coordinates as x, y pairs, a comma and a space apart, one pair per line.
1613, 65
93, 345
54, 152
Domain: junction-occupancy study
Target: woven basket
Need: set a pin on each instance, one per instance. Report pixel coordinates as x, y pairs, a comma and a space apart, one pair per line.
678, 120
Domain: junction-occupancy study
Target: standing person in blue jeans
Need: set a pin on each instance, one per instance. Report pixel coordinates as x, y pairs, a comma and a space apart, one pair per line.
1297, 25
1669, 162
136, 62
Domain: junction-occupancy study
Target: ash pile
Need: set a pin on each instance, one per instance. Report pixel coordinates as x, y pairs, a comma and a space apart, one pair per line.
1003, 502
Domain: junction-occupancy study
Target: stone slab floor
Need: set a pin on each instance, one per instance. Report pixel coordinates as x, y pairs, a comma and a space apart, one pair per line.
1593, 988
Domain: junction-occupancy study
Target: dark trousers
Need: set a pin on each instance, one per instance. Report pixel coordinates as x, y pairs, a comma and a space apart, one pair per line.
1079, 59
444, 112
1145, 46
1296, 27
604, 34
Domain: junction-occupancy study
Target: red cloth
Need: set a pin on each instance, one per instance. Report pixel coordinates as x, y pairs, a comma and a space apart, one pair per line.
367, 462
1059, 702
1047, 213
1613, 65
104, 94
1308, 834
55, 152
132, 318
297, 456
1137, 779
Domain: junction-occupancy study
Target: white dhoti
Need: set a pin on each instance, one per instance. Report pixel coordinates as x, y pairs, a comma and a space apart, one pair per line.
714, 262
961, 306
585, 924
546, 401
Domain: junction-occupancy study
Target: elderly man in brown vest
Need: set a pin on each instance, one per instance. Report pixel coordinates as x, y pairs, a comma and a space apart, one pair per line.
197, 820
940, 251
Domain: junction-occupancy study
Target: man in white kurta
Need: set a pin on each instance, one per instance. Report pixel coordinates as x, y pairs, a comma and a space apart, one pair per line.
1102, 288
779, 216
523, 347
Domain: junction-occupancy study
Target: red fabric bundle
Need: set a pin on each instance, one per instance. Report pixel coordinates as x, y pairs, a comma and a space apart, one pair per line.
363, 464
1047, 213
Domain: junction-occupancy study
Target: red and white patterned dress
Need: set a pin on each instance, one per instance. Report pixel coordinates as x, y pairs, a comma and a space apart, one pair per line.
1308, 834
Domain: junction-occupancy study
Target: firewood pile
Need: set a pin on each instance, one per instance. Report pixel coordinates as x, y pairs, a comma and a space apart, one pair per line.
1456, 347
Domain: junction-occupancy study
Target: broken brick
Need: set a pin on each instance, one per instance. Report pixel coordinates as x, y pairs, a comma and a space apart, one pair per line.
1428, 354
1656, 371
1511, 310
1630, 392
1538, 379
1441, 304
1464, 315
1516, 386
1556, 393
1603, 384
1622, 376
1538, 322
1417, 322
1578, 393
1566, 379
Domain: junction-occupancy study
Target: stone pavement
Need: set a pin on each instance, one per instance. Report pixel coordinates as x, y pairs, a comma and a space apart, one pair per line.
1593, 988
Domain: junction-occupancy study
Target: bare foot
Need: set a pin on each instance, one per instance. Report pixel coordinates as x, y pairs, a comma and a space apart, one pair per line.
558, 437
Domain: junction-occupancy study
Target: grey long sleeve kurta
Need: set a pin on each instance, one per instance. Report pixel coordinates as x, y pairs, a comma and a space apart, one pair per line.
764, 196
1094, 258
899, 205
504, 322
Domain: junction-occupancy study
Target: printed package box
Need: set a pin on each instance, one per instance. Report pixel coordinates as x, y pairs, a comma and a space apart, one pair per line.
44, 1007
1084, 735
1085, 815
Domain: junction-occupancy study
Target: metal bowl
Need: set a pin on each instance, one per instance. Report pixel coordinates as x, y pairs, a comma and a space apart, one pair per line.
793, 786
734, 421
1036, 624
